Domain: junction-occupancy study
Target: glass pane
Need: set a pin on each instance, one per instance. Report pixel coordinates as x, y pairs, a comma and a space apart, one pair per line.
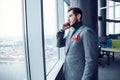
50, 30
110, 3
12, 54
65, 11
110, 28
110, 13
117, 12
65, 15
117, 28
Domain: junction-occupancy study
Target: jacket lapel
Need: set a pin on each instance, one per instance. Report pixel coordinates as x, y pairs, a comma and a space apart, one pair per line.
70, 41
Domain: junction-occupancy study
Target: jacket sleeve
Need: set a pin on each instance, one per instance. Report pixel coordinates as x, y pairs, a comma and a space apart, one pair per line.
91, 55
60, 39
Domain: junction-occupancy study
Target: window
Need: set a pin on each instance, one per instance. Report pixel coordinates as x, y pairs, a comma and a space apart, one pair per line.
50, 30
65, 10
110, 3
65, 15
41, 27
117, 28
111, 14
12, 52
110, 28
117, 12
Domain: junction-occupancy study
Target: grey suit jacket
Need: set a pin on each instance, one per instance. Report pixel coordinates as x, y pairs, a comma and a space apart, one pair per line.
81, 62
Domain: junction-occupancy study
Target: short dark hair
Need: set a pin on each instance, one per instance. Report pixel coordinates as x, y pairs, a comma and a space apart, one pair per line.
76, 11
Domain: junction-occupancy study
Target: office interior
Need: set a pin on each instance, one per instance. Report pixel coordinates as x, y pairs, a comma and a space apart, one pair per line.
28, 37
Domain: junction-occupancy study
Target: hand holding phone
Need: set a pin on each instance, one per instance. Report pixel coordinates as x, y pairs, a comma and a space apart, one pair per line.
68, 24
65, 26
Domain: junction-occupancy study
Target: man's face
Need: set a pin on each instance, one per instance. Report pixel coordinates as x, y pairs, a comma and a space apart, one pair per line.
72, 18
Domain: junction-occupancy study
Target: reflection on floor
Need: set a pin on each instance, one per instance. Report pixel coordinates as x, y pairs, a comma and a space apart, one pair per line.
112, 71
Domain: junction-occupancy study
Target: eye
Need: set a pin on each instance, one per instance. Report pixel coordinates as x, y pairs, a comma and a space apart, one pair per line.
70, 15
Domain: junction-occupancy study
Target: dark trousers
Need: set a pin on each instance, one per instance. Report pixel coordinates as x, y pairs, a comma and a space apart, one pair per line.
60, 75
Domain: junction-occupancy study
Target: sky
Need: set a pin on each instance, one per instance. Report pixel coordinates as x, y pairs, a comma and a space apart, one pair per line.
50, 21
11, 18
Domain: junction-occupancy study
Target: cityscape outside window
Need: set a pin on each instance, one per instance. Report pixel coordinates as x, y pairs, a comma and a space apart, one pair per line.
12, 54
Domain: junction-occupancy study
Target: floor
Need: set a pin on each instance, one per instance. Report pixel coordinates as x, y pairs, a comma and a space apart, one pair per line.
112, 71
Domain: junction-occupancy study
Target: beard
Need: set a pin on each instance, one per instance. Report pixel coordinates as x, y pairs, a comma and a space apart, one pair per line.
74, 24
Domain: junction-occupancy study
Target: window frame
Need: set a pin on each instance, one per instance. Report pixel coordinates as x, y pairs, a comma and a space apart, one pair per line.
34, 40
60, 19
107, 7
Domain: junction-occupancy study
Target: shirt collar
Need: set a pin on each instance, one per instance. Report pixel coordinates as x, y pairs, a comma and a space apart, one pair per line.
77, 25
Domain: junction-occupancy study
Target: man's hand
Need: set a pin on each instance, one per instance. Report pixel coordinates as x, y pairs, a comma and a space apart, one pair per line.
65, 26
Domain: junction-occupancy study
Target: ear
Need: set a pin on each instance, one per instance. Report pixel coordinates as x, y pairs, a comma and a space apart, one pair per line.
79, 16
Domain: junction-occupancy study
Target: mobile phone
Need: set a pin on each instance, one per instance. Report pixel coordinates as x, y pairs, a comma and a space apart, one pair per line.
68, 24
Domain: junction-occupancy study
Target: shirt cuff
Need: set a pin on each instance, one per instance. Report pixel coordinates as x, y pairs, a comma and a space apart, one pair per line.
62, 30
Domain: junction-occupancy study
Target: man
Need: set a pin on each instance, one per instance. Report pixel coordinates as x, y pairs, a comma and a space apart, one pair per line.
81, 61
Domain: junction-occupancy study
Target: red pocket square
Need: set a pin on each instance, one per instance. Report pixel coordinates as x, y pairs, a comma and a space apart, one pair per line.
75, 37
